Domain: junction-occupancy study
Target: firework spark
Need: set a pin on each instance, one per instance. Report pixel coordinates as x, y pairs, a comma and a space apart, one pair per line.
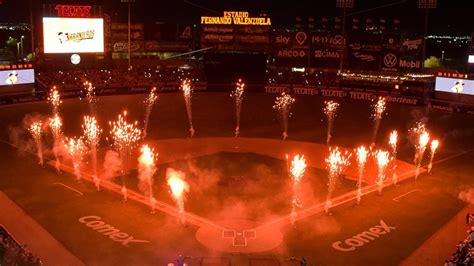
178, 188
55, 124
362, 154
330, 110
146, 170
433, 148
283, 106
89, 90
149, 102
382, 159
91, 136
238, 95
188, 94
393, 144
76, 149
423, 140
297, 169
54, 99
378, 110
35, 130
336, 163
125, 136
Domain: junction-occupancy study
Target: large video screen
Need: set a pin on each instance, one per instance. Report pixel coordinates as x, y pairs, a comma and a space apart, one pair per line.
16, 77
73, 35
453, 85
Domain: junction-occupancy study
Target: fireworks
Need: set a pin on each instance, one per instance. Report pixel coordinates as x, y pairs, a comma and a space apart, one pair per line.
330, 110
76, 149
92, 133
378, 109
55, 124
297, 169
188, 93
35, 130
238, 95
336, 163
382, 159
149, 102
393, 144
146, 170
433, 147
417, 130
125, 135
362, 154
283, 106
178, 187
90, 92
54, 99
423, 140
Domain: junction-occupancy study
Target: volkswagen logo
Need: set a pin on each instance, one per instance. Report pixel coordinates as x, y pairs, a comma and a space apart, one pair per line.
390, 60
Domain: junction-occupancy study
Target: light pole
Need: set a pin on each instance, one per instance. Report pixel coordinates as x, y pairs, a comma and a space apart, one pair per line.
21, 41
426, 5
344, 4
129, 32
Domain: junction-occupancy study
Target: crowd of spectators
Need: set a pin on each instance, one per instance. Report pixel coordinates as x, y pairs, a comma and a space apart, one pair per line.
301, 77
13, 253
120, 77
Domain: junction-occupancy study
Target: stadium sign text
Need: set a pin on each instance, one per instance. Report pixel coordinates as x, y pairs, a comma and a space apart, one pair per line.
363, 238
73, 11
95, 223
236, 18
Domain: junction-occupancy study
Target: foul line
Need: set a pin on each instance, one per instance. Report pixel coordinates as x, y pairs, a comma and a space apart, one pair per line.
68, 187
403, 195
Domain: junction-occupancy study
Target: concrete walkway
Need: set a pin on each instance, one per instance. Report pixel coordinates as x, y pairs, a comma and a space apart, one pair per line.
27, 231
442, 244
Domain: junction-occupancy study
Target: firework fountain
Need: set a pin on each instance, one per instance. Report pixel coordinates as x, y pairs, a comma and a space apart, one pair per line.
378, 109
382, 158
76, 149
125, 136
188, 94
35, 131
420, 149
90, 96
283, 106
297, 169
146, 170
178, 187
433, 147
416, 131
55, 124
336, 163
330, 110
149, 102
393, 144
54, 99
238, 95
92, 134
362, 154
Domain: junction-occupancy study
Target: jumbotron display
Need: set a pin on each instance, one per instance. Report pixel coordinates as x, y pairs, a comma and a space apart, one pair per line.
73, 35
16, 77
455, 85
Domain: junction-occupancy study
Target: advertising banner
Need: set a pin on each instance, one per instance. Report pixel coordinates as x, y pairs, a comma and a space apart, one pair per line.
291, 48
363, 51
73, 35
410, 54
326, 50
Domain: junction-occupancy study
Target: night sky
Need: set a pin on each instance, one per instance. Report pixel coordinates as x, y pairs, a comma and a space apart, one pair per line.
454, 17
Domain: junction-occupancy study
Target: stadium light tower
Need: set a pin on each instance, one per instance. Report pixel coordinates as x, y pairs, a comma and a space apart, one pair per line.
129, 31
426, 5
344, 4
